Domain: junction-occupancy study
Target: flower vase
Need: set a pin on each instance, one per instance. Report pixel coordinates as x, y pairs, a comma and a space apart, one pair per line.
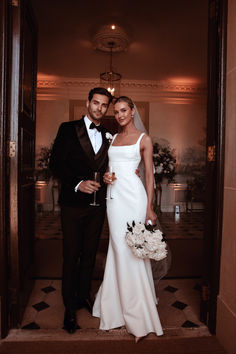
158, 195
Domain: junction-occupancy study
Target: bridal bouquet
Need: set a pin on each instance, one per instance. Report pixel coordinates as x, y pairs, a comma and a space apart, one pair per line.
145, 241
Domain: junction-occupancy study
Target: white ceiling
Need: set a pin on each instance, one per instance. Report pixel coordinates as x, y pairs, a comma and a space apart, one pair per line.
168, 38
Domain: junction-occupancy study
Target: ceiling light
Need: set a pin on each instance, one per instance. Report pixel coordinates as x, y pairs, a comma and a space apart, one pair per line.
111, 39
111, 79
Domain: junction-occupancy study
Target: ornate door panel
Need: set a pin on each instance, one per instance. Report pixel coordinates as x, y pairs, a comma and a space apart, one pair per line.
4, 162
217, 25
22, 162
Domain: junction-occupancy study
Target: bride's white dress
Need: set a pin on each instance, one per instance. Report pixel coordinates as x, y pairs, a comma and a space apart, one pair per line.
127, 295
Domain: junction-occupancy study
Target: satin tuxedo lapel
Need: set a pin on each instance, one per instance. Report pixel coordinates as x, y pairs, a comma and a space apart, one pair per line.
96, 160
84, 140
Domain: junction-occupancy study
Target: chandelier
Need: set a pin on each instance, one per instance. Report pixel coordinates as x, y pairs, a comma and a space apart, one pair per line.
111, 39
110, 79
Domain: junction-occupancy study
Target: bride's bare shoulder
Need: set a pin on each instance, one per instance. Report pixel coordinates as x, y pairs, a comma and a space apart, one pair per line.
146, 139
146, 143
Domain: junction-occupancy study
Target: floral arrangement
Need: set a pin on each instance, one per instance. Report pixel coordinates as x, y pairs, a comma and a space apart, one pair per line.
43, 171
145, 241
164, 163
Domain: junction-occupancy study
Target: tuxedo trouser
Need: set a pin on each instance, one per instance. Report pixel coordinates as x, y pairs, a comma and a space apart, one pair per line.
81, 228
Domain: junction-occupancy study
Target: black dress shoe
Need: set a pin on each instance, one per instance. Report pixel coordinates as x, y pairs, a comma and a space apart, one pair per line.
70, 324
87, 304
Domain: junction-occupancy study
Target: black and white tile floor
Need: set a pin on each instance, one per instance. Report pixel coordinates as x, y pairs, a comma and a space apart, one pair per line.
179, 299
189, 225
179, 304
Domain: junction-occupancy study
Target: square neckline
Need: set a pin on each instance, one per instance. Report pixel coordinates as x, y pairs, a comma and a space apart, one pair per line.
125, 145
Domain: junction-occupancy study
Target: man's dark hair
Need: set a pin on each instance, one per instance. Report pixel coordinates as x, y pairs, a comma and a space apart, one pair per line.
100, 91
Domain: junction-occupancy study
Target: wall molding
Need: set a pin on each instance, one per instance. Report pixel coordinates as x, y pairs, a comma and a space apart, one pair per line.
52, 88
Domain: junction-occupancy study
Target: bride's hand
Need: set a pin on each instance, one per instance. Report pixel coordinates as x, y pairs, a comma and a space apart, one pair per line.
151, 215
107, 178
138, 173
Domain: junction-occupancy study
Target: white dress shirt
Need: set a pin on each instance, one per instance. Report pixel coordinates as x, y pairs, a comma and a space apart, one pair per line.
95, 138
94, 135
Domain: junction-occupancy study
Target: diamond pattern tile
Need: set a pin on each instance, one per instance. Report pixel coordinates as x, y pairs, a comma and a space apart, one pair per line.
170, 315
170, 292
189, 324
171, 289
179, 305
31, 325
48, 289
40, 306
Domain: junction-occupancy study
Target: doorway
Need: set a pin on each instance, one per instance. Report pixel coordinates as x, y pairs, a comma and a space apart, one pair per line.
173, 105
59, 110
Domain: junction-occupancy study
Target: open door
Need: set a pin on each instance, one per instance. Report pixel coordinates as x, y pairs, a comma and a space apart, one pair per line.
4, 165
215, 159
22, 156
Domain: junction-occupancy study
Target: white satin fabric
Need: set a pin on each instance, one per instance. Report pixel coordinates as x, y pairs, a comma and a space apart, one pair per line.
127, 295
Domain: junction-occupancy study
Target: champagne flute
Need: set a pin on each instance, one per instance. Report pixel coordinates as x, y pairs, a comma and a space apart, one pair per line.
112, 175
96, 178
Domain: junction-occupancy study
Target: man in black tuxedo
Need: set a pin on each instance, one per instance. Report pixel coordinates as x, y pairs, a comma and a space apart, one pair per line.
80, 149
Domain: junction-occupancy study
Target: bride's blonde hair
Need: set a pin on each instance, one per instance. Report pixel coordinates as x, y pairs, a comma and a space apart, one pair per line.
125, 99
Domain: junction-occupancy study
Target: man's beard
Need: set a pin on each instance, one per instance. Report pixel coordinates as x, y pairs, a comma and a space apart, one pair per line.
94, 117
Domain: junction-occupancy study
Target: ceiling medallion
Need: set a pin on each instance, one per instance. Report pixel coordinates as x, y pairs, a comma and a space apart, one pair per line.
112, 39
111, 34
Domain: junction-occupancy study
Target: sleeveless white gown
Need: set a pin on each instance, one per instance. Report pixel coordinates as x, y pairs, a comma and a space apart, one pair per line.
127, 295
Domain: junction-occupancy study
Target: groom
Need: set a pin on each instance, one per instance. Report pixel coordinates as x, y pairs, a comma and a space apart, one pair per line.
80, 149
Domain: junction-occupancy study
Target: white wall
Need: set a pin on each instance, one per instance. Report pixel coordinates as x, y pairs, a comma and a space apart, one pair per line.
49, 115
182, 125
179, 122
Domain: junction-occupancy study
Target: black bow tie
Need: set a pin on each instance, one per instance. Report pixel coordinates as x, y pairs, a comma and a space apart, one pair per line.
93, 126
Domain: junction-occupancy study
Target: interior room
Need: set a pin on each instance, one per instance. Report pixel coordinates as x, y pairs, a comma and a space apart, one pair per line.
176, 60
160, 52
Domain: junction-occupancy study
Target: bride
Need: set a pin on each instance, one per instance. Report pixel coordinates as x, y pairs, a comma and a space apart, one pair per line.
127, 295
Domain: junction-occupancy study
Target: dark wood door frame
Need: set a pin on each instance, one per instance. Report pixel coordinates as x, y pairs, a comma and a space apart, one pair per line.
14, 108
10, 84
5, 61
13, 144
215, 159
22, 133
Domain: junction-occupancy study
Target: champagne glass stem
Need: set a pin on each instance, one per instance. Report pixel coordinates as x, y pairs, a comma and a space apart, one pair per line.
110, 173
94, 198
110, 191
96, 178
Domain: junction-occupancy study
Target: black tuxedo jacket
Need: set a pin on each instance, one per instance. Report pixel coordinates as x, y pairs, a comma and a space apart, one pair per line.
73, 159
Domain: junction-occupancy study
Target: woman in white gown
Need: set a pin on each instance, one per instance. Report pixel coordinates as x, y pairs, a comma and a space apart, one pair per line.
127, 295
